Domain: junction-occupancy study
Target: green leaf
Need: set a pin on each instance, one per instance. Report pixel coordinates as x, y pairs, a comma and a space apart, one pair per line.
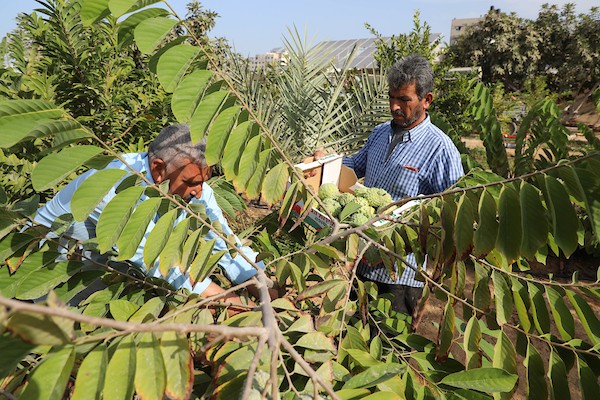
206, 112
352, 394
200, 268
92, 190
173, 65
49, 379
150, 33
40, 329
12, 351
316, 341
121, 371
463, 227
93, 10
586, 315
487, 226
120, 7
488, 380
219, 134
533, 221
159, 236
564, 219
275, 183
115, 215
329, 251
178, 365
374, 375
536, 384
53, 168
521, 300
320, 288
505, 356
541, 318
40, 282
136, 227
186, 97
90, 376
248, 163
150, 373
446, 332
447, 218
148, 311
561, 313
509, 228
588, 381
502, 297
122, 309
20, 118
557, 375
255, 184
235, 148
471, 343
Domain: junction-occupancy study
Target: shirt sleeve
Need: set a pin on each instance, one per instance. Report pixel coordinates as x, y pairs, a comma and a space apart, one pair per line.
237, 269
446, 171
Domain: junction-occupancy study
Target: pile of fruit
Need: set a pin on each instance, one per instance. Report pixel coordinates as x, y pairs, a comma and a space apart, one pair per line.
363, 204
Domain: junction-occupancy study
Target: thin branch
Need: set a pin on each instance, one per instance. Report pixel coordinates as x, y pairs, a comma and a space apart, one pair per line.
253, 365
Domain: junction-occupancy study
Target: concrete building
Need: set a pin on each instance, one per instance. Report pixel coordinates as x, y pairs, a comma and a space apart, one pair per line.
276, 58
459, 26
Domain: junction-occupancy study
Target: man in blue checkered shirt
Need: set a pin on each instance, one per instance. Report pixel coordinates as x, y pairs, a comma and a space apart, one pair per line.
407, 156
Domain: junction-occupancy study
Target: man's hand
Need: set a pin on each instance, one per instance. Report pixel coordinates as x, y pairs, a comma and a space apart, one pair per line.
318, 154
231, 298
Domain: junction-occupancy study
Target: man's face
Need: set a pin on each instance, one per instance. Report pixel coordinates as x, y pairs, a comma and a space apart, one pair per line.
185, 180
407, 110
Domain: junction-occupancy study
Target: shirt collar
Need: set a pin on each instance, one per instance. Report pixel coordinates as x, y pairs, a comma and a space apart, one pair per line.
410, 134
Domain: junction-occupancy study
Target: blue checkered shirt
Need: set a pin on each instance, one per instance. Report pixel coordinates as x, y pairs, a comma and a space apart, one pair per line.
425, 161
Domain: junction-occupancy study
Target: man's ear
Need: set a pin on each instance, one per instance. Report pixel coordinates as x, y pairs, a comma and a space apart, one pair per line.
428, 99
158, 170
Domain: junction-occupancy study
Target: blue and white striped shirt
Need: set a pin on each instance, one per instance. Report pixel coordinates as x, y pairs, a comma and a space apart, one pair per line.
424, 162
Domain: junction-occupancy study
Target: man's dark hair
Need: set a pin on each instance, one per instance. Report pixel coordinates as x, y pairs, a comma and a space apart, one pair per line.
174, 145
411, 69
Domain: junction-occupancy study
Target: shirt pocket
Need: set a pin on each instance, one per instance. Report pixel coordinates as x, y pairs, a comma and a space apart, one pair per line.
404, 182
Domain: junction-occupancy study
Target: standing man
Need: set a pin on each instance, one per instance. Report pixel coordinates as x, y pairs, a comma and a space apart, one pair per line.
407, 156
174, 158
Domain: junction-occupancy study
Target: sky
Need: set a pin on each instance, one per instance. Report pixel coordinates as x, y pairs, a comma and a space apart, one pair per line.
257, 26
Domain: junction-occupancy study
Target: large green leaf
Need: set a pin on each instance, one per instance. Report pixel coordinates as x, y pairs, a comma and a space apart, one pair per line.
148, 311
39, 283
12, 350
92, 190
205, 113
49, 380
536, 384
121, 371
557, 375
488, 380
541, 318
586, 315
151, 32
590, 187
150, 373
90, 376
374, 375
563, 318
219, 134
173, 250
521, 300
120, 7
463, 227
471, 344
178, 364
126, 28
502, 297
564, 219
588, 380
316, 341
136, 227
505, 356
53, 168
174, 64
509, 228
533, 222
198, 269
235, 148
115, 215
20, 118
255, 184
41, 329
93, 10
188, 94
487, 225
159, 236
248, 163
446, 332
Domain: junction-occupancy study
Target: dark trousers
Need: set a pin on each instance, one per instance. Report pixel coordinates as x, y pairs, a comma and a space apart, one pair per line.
404, 298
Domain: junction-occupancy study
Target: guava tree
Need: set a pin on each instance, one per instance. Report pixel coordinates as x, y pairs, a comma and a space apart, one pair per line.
141, 337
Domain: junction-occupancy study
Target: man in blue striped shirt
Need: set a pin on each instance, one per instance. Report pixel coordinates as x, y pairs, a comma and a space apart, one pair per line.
407, 156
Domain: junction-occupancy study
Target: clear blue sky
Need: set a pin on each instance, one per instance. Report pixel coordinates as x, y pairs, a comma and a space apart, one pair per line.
257, 26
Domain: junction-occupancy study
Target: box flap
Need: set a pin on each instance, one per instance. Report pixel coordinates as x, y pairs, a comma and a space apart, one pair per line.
347, 179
